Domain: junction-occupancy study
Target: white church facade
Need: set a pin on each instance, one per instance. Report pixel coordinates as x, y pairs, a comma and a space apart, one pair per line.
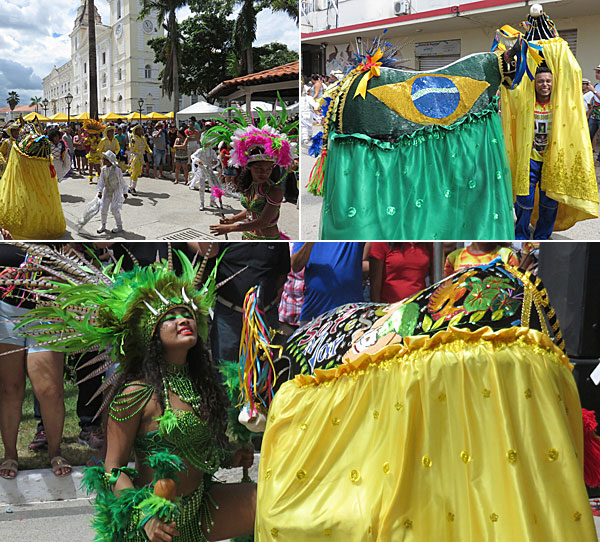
125, 67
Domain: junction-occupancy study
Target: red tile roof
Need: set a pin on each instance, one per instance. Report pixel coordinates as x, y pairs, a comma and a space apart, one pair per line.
20, 109
287, 72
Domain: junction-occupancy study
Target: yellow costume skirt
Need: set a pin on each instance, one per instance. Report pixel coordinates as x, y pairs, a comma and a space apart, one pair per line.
462, 437
136, 166
30, 206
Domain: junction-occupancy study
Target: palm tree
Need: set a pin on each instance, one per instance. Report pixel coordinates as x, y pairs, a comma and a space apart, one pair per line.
165, 9
36, 102
93, 101
12, 100
244, 29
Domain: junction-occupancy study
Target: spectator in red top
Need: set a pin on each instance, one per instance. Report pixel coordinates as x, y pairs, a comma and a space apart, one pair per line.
399, 270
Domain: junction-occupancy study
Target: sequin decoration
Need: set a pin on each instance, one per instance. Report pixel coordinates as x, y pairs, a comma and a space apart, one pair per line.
511, 455
399, 406
494, 518
426, 461
391, 211
268, 474
465, 456
472, 183
498, 175
528, 393
447, 194
408, 524
351, 212
419, 203
274, 532
552, 454
450, 517
303, 427
354, 476
301, 474
577, 516
486, 393
327, 532
442, 397
386, 468
335, 421
376, 414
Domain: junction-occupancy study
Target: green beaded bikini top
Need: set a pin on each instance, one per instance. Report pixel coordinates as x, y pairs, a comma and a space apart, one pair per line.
181, 432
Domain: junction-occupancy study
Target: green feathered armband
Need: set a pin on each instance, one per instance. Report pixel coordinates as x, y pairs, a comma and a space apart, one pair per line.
165, 465
115, 516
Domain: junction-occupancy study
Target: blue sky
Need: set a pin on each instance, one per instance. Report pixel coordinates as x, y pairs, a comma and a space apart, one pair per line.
34, 36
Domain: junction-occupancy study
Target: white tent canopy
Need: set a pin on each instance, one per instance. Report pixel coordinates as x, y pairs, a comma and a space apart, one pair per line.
199, 110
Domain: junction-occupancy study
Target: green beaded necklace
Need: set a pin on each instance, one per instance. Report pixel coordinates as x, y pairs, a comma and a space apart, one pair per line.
177, 379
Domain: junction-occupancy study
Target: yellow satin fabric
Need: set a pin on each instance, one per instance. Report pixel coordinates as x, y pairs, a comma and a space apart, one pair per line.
464, 437
30, 206
568, 174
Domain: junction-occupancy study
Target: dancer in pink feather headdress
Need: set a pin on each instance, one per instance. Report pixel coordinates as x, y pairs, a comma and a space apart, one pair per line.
261, 154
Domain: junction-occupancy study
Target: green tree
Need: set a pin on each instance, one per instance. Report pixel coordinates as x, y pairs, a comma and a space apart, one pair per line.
244, 29
36, 102
165, 10
13, 100
272, 55
205, 43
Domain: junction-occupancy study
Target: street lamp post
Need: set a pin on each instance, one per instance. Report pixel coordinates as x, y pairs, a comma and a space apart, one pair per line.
140, 105
69, 99
45, 103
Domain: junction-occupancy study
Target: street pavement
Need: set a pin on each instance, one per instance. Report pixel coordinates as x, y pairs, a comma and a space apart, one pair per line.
161, 210
61, 520
311, 208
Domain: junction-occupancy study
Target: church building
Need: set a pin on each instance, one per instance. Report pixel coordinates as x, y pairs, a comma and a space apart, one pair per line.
126, 71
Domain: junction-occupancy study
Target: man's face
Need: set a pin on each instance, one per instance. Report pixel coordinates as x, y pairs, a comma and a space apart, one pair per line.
597, 72
543, 85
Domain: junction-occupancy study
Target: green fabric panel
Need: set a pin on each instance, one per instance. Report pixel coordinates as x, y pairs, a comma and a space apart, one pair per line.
440, 184
372, 117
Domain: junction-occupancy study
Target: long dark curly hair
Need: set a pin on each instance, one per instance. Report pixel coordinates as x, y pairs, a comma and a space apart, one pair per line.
213, 401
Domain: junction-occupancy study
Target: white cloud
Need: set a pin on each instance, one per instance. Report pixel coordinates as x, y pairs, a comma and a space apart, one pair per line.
27, 41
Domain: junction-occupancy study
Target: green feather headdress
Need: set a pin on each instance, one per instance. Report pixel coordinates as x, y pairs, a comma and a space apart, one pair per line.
82, 308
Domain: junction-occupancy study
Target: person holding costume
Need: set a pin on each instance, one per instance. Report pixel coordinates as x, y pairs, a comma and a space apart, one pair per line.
112, 190
138, 146
30, 206
12, 130
167, 406
560, 161
93, 130
110, 142
414, 155
257, 151
450, 415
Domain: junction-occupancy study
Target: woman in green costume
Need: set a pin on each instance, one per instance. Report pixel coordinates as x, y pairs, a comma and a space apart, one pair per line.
166, 407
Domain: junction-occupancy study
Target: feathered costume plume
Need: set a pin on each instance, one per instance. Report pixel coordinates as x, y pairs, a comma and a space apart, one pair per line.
82, 308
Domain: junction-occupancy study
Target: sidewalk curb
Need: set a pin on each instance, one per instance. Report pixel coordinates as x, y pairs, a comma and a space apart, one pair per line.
40, 485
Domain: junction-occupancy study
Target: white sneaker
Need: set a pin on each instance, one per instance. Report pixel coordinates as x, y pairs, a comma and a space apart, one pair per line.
101, 229
117, 229
202, 208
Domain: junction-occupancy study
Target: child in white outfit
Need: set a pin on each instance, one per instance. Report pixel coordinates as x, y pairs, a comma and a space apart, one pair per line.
112, 190
203, 161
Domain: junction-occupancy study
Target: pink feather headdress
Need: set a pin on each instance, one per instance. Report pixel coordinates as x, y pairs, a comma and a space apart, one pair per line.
273, 146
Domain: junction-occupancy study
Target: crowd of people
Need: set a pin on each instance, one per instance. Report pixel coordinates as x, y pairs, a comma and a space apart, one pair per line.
162, 150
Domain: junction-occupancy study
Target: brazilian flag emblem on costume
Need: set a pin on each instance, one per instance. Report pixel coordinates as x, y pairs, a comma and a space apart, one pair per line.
414, 155
431, 98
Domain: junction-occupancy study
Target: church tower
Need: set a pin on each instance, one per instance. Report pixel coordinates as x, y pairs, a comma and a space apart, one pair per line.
135, 73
